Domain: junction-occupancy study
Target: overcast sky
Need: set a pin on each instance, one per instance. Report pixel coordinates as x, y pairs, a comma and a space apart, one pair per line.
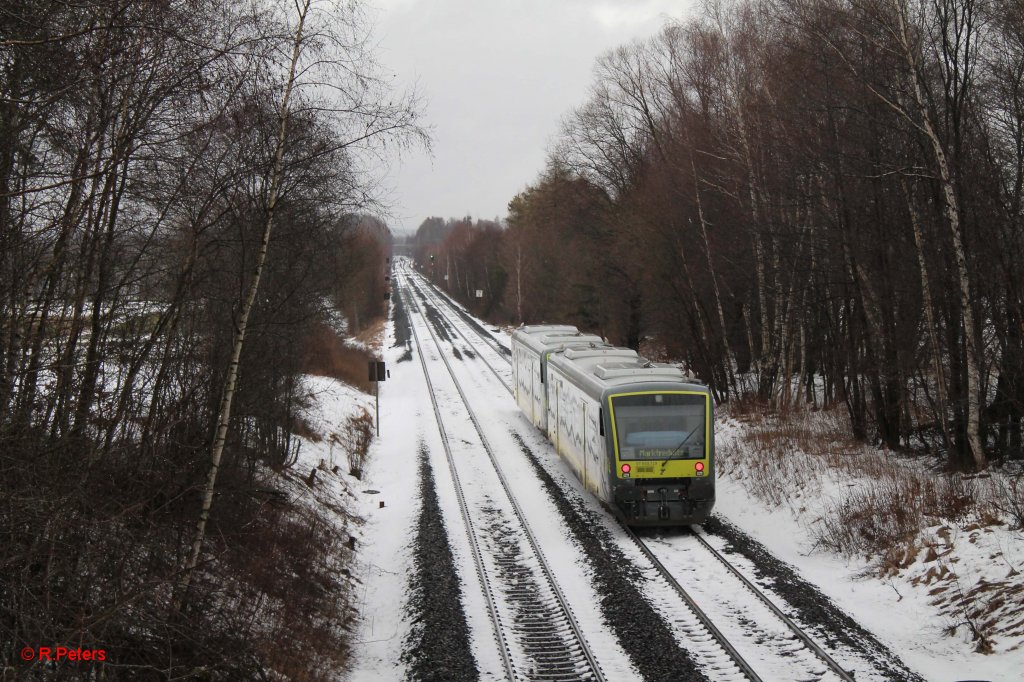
496, 76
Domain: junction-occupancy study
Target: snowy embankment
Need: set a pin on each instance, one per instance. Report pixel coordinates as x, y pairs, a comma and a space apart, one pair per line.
378, 509
945, 592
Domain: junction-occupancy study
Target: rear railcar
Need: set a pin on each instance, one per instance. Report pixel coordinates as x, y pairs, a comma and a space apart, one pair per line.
531, 347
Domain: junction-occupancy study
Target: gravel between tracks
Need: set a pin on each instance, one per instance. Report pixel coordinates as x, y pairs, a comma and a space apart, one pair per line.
403, 331
812, 607
440, 325
483, 332
438, 645
437, 321
471, 321
643, 634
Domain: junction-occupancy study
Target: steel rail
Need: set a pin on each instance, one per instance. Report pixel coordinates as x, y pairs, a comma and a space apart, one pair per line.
705, 620
429, 294
595, 672
794, 628
697, 611
452, 305
481, 570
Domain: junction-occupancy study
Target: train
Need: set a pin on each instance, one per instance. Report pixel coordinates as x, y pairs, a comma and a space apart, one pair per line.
638, 434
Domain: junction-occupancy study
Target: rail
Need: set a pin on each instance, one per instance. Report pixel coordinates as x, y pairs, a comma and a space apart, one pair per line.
576, 662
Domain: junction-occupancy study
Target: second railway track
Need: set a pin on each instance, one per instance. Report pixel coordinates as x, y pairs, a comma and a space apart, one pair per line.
534, 627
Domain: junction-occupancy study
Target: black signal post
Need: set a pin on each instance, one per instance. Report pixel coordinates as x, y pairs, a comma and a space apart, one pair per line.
378, 373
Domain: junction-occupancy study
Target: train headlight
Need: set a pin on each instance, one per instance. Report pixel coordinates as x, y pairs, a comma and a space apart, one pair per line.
626, 468
699, 466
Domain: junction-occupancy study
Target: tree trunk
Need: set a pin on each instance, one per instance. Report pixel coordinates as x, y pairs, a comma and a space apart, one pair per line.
952, 210
727, 357
929, 316
231, 379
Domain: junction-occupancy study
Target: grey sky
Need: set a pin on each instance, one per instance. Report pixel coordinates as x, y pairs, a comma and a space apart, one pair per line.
497, 76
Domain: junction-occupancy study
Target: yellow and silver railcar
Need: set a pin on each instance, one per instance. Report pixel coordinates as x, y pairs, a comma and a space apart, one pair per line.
638, 434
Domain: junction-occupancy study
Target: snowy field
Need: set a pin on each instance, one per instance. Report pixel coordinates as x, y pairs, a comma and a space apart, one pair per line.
908, 609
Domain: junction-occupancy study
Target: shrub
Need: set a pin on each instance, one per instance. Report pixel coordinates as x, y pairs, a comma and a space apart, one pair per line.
1010, 500
883, 500
359, 434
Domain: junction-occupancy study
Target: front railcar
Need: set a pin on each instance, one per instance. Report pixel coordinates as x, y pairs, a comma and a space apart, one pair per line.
661, 452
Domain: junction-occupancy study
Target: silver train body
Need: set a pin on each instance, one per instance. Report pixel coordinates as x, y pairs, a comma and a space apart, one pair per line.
638, 435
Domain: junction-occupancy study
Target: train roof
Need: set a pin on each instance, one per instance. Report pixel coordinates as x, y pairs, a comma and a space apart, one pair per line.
549, 337
532, 329
597, 370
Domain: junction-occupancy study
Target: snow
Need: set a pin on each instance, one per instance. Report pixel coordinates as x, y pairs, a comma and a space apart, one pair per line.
383, 557
386, 498
902, 614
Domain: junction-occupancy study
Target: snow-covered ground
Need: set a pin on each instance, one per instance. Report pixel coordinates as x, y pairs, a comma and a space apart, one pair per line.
914, 606
385, 497
908, 609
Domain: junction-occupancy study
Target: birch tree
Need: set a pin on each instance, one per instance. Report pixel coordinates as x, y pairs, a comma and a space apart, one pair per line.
904, 30
327, 69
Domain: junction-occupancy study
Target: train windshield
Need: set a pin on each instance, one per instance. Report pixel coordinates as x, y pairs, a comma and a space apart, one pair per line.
660, 426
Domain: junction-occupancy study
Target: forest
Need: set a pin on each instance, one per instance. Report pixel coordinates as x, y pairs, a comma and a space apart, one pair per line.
184, 190
812, 203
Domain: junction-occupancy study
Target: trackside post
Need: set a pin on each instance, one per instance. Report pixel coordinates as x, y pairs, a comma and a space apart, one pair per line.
378, 373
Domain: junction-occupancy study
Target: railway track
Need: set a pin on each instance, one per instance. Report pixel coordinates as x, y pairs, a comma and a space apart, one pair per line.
768, 643
447, 302
534, 627
760, 638
806, 640
444, 305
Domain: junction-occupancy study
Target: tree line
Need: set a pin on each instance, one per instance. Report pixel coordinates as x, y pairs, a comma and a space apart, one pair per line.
177, 178
810, 201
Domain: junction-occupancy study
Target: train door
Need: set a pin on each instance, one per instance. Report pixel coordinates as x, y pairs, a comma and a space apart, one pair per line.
537, 411
604, 449
551, 414
558, 400
544, 419
521, 377
585, 451
527, 381
516, 388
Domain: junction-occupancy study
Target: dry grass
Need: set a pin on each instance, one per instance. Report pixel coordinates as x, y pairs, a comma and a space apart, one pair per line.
373, 335
772, 458
356, 441
326, 355
302, 427
1010, 502
308, 615
859, 501
884, 499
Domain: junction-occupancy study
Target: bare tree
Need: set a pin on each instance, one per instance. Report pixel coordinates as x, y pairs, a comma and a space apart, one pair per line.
331, 48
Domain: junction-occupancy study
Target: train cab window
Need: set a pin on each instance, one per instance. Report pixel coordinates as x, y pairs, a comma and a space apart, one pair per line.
660, 426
